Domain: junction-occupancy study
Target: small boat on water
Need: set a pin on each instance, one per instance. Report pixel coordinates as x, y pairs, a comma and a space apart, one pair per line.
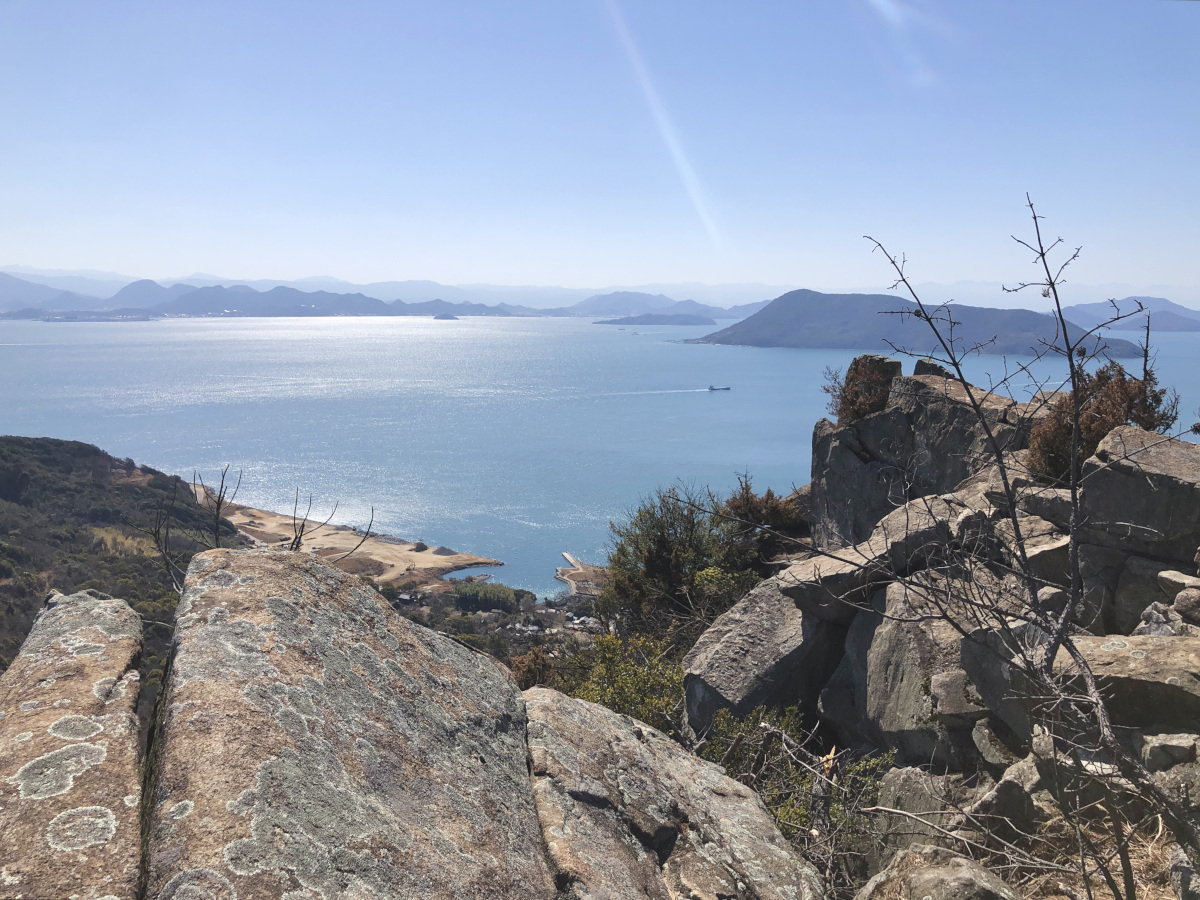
714, 388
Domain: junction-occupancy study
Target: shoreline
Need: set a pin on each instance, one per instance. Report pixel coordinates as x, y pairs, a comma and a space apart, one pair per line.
385, 558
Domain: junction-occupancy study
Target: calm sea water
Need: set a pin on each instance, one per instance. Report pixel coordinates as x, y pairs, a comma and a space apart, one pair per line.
515, 439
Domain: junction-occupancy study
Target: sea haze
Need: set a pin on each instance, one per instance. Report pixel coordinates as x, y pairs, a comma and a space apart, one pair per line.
512, 438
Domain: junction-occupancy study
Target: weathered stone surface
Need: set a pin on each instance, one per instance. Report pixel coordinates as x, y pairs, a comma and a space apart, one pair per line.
1141, 494
1152, 683
843, 703
315, 744
1187, 604
1161, 751
1008, 806
1046, 548
1172, 582
627, 813
1100, 569
904, 659
925, 798
69, 779
927, 441
834, 588
1136, 589
1051, 504
764, 650
934, 873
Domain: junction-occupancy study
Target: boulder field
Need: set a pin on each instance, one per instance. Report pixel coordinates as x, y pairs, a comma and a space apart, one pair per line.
312, 743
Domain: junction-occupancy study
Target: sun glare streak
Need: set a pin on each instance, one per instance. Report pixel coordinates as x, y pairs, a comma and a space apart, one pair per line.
666, 129
898, 16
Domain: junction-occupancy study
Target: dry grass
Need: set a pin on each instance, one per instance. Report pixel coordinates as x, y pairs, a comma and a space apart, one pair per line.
1057, 842
121, 544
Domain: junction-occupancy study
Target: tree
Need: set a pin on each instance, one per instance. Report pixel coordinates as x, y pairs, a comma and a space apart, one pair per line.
676, 563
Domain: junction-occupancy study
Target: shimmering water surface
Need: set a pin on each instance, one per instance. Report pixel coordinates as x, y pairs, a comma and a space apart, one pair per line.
512, 438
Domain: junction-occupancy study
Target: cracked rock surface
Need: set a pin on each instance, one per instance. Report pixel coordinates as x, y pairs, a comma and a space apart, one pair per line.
314, 744
627, 813
69, 779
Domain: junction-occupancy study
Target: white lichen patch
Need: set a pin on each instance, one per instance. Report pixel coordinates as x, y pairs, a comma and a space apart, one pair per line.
198, 884
131, 800
83, 827
75, 728
29, 705
104, 688
181, 810
61, 704
54, 773
22, 737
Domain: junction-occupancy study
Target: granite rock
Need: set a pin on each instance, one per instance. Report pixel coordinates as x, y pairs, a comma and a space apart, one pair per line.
70, 784
315, 744
628, 813
762, 651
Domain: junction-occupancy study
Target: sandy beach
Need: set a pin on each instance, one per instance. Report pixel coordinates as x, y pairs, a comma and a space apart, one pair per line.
381, 557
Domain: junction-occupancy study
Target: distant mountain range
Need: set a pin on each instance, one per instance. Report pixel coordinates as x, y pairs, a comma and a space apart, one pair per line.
97, 289
149, 299
873, 322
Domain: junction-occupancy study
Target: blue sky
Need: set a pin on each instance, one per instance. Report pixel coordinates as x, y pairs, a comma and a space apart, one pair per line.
596, 142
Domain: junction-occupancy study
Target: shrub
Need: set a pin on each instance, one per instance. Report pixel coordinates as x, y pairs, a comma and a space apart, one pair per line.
657, 557
1110, 398
636, 677
864, 389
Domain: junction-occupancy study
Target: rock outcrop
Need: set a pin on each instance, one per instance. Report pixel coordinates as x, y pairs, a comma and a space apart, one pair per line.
70, 783
626, 812
926, 441
315, 744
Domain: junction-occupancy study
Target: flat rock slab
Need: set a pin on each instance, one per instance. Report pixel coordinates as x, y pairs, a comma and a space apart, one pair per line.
1150, 682
627, 813
69, 779
314, 744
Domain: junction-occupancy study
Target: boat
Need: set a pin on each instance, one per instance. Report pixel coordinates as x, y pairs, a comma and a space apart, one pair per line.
713, 388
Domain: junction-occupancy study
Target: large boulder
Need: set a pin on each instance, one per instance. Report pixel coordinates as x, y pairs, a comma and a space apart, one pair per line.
70, 782
925, 872
926, 441
1141, 495
763, 651
626, 812
315, 744
919, 701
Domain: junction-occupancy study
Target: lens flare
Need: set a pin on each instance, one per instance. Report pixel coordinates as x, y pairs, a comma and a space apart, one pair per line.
666, 128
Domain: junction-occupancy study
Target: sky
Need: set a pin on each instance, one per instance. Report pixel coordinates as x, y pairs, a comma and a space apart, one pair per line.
596, 142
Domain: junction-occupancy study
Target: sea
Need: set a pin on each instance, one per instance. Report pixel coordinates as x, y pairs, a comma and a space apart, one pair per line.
516, 439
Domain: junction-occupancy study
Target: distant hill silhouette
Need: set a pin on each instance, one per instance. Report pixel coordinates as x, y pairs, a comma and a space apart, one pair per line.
1164, 315
659, 319
17, 293
810, 319
147, 293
